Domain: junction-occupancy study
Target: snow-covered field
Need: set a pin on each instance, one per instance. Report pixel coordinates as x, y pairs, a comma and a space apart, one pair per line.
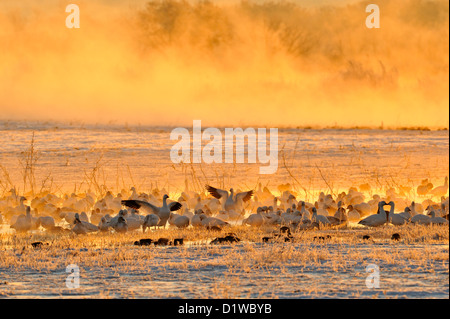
112, 267
75, 158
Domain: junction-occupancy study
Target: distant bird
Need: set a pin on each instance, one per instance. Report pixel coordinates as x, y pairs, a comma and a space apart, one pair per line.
320, 219
38, 244
424, 188
440, 190
78, 227
437, 220
230, 200
212, 221
179, 221
121, 226
162, 212
421, 219
256, 220
143, 242
47, 222
353, 214
88, 226
24, 222
103, 225
162, 242
228, 239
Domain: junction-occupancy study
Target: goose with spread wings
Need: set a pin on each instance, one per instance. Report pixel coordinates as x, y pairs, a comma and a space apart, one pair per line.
230, 201
162, 212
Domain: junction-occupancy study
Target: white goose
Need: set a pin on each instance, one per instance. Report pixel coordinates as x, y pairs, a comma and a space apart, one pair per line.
88, 226
319, 219
162, 212
121, 226
151, 220
421, 219
378, 219
230, 200
179, 221
47, 222
437, 220
396, 219
440, 190
103, 225
78, 227
212, 221
196, 220
23, 222
353, 215
255, 220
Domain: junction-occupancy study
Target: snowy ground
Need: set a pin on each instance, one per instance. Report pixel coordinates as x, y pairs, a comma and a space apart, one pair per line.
112, 267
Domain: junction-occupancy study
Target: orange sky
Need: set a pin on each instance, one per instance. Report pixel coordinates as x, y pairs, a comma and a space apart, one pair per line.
226, 65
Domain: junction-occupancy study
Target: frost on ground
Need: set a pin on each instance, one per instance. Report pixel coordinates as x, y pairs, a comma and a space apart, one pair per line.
112, 267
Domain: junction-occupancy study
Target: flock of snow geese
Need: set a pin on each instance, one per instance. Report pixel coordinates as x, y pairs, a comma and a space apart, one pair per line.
216, 208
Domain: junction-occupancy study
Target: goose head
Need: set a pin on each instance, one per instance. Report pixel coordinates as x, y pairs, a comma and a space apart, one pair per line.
77, 219
392, 204
432, 213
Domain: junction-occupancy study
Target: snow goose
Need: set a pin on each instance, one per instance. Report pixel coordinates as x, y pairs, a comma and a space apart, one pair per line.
320, 219
365, 209
133, 223
196, 220
162, 212
321, 211
47, 222
79, 228
306, 215
437, 220
151, 220
230, 200
421, 219
378, 219
212, 221
396, 219
339, 218
406, 214
424, 187
103, 225
353, 215
440, 190
23, 222
88, 226
179, 221
255, 220
121, 226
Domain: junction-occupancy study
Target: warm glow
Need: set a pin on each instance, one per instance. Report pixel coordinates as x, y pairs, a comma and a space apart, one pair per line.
239, 64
